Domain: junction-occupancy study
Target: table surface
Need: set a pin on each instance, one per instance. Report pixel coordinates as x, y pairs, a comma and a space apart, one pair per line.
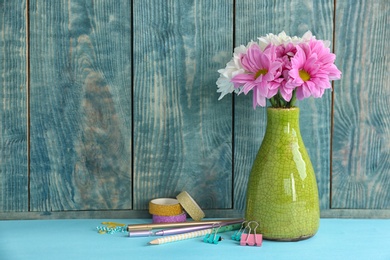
78, 239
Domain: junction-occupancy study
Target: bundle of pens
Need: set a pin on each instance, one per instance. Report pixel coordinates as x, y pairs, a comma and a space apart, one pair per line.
177, 231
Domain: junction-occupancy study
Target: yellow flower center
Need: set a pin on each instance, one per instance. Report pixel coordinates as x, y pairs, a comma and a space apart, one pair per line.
261, 72
304, 75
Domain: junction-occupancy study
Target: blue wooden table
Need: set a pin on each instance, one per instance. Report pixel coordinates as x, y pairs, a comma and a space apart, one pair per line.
78, 239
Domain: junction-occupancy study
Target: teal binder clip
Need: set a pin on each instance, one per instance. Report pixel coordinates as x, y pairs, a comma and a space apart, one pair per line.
237, 235
213, 237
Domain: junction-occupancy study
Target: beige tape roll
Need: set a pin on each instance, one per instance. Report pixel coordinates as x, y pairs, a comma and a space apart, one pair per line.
190, 206
165, 207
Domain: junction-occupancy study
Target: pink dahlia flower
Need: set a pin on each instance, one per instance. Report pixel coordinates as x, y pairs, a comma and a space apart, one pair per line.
325, 58
285, 54
261, 76
311, 70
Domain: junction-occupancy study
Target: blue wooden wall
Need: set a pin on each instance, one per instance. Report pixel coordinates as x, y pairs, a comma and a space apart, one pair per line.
105, 105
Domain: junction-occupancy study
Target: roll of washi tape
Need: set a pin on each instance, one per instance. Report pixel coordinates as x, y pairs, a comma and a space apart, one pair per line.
190, 206
165, 207
170, 219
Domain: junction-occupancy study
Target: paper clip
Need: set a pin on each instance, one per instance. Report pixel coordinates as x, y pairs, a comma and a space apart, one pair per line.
213, 237
111, 228
237, 235
251, 239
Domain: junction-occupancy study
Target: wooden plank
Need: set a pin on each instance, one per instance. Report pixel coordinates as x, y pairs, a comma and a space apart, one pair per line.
257, 18
13, 107
182, 135
361, 147
80, 105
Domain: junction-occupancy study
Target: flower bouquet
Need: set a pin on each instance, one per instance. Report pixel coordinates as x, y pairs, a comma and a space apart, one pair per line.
280, 68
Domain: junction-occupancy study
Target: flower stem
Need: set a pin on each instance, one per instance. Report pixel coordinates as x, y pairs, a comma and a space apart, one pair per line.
273, 102
278, 101
282, 101
291, 103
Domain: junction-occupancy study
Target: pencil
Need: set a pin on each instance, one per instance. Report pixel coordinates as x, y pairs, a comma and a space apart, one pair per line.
180, 237
188, 235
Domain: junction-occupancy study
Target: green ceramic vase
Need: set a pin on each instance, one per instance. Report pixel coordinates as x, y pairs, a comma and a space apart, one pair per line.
282, 194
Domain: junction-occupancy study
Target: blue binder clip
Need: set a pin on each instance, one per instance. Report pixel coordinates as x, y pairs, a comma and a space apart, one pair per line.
237, 235
213, 237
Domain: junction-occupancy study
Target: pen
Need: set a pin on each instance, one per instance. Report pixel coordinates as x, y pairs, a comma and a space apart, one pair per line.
177, 224
175, 231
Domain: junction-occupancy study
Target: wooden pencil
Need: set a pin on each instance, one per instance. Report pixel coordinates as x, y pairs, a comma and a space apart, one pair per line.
179, 237
188, 235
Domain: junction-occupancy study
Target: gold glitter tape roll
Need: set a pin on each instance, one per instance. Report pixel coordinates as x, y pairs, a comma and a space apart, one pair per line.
165, 207
190, 206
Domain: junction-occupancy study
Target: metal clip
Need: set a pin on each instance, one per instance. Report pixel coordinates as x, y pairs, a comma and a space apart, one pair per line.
237, 235
213, 237
251, 239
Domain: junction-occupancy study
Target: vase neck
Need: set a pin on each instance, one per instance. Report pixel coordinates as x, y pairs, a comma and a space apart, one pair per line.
286, 117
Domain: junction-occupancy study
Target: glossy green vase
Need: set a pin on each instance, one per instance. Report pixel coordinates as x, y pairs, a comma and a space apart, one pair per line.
282, 194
